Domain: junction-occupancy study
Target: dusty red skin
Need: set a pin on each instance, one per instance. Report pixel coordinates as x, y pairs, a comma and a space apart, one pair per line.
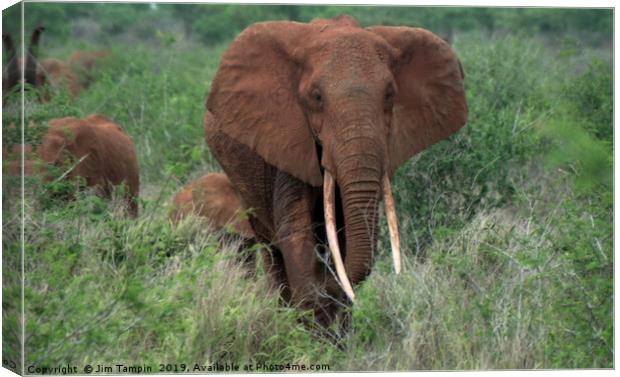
212, 196
293, 99
84, 63
58, 74
86, 60
108, 156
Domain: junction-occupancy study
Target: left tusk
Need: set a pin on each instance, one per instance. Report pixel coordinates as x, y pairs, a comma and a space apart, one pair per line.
329, 203
390, 213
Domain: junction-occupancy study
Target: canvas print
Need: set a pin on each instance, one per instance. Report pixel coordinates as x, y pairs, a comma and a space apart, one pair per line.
203, 188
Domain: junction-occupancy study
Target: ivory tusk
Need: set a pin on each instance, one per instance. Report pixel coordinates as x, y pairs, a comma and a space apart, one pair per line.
390, 213
329, 203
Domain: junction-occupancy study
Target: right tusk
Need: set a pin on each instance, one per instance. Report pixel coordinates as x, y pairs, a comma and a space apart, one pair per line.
390, 213
329, 202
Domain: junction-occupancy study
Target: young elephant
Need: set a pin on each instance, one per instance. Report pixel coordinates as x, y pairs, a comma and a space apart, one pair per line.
310, 121
58, 74
104, 155
212, 196
53, 72
84, 63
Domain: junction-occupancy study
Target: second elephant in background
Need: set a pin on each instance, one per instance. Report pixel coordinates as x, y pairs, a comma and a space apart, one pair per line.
85, 63
94, 149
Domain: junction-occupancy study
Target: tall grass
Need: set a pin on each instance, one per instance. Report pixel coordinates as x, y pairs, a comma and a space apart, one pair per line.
507, 233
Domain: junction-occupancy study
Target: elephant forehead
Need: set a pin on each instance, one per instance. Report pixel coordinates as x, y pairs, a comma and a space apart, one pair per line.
346, 41
352, 55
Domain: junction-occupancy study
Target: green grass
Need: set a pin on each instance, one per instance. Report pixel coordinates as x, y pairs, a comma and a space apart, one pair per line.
507, 232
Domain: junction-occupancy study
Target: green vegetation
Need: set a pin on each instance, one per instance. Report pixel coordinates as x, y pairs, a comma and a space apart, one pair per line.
507, 227
216, 23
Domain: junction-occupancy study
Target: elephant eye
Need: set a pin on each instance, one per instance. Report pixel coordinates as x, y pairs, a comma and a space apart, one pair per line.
316, 95
389, 94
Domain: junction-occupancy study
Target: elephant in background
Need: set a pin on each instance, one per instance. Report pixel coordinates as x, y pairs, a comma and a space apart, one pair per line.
53, 72
212, 196
105, 156
84, 64
310, 121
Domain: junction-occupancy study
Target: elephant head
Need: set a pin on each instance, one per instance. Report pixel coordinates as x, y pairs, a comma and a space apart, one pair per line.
340, 107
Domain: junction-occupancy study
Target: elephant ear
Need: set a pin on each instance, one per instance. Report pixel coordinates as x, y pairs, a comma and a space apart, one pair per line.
430, 104
254, 98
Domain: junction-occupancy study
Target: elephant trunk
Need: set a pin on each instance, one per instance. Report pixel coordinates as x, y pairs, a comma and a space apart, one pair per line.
330, 224
360, 202
358, 172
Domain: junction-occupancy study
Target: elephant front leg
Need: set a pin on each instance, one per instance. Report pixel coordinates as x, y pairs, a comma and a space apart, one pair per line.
294, 237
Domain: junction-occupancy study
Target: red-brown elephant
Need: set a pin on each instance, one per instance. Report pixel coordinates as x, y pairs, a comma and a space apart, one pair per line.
213, 197
103, 154
310, 121
84, 63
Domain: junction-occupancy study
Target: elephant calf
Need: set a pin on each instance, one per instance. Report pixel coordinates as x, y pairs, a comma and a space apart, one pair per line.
105, 155
58, 74
213, 197
84, 63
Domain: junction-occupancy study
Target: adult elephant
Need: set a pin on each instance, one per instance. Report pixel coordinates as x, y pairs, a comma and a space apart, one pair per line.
310, 121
